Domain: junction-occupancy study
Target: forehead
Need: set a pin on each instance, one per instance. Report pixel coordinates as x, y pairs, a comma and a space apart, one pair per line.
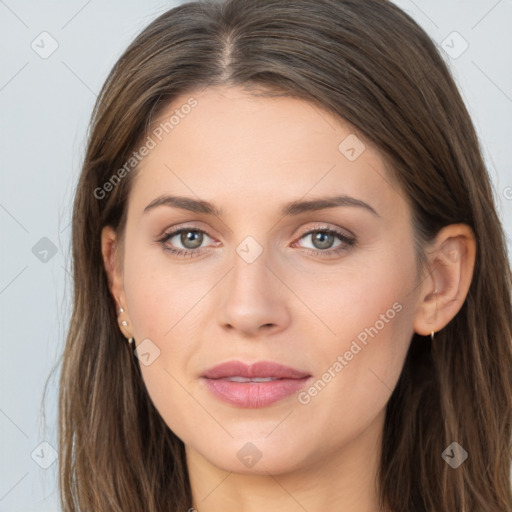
249, 151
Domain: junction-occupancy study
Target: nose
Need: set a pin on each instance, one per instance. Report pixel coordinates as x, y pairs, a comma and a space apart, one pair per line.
253, 299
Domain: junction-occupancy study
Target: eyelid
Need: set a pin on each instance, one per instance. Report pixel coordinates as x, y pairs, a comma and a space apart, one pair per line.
326, 227
174, 231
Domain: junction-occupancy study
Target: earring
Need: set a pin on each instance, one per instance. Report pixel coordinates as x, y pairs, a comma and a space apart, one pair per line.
124, 323
432, 336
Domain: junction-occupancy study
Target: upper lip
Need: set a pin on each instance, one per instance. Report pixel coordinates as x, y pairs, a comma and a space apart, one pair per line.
255, 370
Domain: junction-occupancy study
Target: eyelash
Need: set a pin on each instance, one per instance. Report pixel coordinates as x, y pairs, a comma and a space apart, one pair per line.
349, 242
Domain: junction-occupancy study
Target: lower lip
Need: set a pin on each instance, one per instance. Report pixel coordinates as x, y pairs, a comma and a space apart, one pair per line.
254, 394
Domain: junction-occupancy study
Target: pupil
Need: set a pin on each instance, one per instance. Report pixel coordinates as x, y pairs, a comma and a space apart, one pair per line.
193, 237
319, 240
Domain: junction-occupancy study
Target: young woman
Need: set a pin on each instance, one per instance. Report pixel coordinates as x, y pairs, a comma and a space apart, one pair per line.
291, 287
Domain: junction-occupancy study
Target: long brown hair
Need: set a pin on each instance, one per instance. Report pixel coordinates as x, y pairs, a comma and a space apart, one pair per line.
371, 64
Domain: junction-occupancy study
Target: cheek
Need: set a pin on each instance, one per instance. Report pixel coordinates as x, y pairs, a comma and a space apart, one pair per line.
163, 311
366, 298
366, 314
159, 294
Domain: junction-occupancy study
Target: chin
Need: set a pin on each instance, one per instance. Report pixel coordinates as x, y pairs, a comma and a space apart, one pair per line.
258, 456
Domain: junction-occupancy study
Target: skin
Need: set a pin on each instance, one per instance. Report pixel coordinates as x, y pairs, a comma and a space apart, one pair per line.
249, 156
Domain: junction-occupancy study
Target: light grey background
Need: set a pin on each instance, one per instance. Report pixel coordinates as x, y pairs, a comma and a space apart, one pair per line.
45, 104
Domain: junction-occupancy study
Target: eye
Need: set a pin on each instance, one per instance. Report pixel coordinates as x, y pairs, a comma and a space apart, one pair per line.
190, 238
323, 239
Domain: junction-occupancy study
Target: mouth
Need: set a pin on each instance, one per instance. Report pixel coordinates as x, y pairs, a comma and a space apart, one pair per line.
247, 379
252, 386
260, 370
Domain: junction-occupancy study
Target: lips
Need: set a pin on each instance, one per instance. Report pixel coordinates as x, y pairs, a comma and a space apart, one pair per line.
260, 370
256, 385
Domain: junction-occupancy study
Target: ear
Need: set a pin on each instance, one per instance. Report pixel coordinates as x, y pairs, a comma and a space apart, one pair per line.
113, 267
445, 287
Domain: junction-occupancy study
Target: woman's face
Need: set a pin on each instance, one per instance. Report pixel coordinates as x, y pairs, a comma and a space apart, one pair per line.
303, 257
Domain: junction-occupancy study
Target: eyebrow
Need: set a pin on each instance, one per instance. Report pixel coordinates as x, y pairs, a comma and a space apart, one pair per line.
293, 208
